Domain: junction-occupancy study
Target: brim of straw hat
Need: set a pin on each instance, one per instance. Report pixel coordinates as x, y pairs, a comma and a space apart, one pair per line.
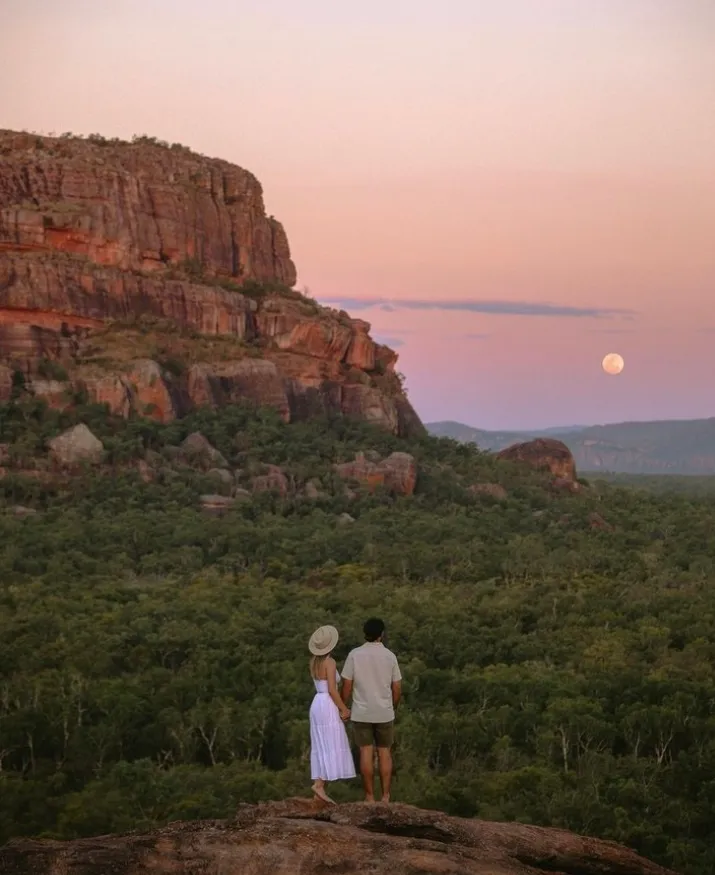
328, 638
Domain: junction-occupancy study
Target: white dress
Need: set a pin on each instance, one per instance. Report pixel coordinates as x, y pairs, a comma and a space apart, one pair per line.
330, 755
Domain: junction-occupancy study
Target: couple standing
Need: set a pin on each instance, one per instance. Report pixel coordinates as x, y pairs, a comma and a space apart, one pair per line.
372, 677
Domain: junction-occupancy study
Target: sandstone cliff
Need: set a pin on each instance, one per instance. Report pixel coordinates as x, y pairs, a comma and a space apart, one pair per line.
295, 836
151, 279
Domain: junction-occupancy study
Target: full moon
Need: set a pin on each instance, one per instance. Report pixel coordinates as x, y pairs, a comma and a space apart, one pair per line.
612, 363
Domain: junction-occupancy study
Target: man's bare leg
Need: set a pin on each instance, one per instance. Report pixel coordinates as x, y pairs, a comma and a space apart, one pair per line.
384, 755
367, 772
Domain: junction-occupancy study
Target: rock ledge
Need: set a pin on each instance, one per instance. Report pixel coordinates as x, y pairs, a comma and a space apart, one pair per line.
297, 836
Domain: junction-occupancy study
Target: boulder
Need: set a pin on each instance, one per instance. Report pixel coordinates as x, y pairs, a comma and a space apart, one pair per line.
19, 510
345, 519
146, 472
216, 504
397, 473
75, 446
543, 454
311, 491
597, 522
197, 450
272, 481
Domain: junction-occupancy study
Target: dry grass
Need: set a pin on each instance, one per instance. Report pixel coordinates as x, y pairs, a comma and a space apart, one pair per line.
119, 343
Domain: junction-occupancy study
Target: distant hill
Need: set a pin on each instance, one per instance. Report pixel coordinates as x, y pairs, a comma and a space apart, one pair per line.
659, 447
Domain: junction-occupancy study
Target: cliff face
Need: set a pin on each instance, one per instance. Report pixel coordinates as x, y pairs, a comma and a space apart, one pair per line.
295, 836
137, 207
151, 278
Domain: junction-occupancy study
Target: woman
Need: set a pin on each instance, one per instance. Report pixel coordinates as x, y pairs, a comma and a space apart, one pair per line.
330, 755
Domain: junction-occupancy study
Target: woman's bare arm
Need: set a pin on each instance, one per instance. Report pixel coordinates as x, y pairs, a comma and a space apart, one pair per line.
331, 670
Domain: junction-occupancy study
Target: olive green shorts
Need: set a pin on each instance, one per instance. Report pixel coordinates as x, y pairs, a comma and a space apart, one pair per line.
378, 734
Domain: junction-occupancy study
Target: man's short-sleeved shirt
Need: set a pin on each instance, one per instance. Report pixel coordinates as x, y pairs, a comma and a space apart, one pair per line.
373, 669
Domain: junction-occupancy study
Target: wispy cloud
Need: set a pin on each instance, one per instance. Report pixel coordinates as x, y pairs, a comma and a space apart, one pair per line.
611, 330
475, 305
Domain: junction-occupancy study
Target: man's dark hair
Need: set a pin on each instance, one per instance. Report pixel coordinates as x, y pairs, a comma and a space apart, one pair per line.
373, 629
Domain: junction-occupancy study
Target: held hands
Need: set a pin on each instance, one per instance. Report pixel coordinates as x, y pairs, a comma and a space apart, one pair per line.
345, 713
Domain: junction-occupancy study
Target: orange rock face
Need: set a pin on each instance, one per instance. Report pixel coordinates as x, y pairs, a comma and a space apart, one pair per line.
398, 472
137, 207
96, 233
545, 454
296, 836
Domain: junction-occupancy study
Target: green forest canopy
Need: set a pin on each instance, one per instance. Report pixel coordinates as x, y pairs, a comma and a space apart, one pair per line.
153, 657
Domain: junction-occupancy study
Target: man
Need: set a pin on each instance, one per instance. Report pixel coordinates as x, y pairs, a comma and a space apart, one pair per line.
371, 674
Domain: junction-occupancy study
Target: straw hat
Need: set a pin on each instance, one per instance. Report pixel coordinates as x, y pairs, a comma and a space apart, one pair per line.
323, 640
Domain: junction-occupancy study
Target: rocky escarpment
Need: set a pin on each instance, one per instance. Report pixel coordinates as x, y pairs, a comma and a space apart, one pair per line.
295, 836
151, 279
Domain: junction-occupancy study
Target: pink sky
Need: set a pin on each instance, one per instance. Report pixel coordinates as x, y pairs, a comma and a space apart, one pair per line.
486, 182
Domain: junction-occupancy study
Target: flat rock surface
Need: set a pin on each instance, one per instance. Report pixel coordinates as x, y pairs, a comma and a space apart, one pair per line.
297, 837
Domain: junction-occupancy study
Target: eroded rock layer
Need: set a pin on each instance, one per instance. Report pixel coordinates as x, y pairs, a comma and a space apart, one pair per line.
151, 278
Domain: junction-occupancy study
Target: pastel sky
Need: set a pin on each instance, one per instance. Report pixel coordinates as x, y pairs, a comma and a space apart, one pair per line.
507, 190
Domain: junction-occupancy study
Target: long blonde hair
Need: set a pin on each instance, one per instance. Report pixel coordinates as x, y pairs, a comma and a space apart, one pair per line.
316, 664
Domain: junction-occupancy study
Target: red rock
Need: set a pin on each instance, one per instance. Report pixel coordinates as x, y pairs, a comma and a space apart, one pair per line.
94, 234
397, 473
273, 481
251, 380
216, 505
149, 393
597, 522
109, 389
146, 472
5, 384
138, 207
362, 350
300, 836
545, 454
53, 392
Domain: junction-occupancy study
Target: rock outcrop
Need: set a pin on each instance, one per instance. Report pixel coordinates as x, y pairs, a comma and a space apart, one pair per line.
397, 473
197, 450
295, 836
544, 454
152, 279
76, 446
